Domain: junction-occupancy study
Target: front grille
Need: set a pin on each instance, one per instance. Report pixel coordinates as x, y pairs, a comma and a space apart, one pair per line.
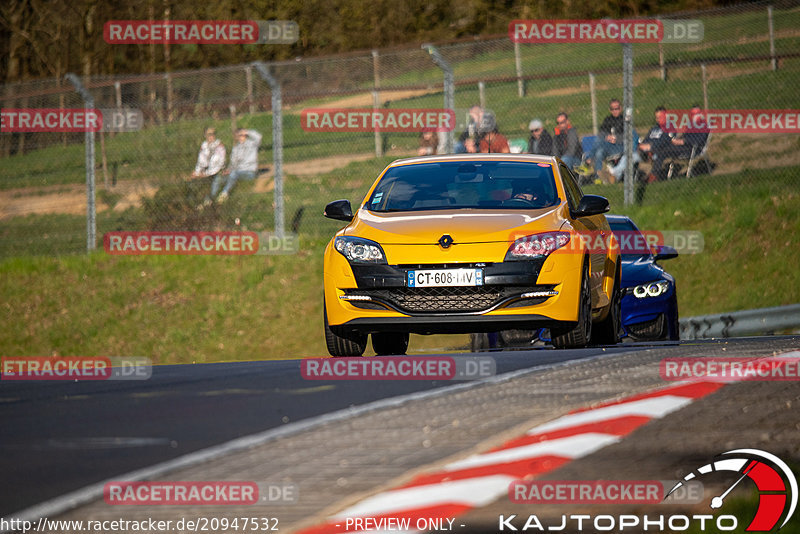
416, 300
648, 330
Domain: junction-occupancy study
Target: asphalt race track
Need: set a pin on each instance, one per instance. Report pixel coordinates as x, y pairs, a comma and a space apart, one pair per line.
62, 436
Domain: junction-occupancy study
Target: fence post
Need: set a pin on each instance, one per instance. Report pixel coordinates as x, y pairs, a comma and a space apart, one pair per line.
705, 87
277, 142
482, 94
627, 105
376, 101
248, 75
91, 212
449, 88
518, 64
771, 39
594, 102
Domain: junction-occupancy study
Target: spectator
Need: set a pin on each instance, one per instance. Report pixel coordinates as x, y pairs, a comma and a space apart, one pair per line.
469, 139
243, 164
492, 141
656, 139
210, 159
617, 172
540, 141
428, 142
670, 145
609, 141
567, 146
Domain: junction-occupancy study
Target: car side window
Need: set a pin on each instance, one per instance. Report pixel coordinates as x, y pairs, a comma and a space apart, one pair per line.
574, 193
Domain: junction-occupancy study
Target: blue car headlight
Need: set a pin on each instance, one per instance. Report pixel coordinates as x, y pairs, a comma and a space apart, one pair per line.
650, 289
359, 250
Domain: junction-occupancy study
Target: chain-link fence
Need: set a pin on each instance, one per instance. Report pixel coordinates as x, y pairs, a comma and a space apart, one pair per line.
748, 59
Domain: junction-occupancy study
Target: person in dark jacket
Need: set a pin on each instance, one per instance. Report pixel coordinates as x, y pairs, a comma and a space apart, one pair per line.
566, 144
540, 141
610, 139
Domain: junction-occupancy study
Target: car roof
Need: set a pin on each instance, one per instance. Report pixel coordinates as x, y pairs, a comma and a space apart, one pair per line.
532, 158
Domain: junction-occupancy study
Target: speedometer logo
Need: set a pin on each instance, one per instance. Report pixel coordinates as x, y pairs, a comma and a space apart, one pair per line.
776, 484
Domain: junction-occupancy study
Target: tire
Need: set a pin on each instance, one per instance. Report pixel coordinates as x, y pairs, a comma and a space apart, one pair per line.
606, 332
581, 334
351, 344
386, 343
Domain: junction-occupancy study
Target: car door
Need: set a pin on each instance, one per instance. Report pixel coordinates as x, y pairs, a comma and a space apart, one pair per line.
595, 226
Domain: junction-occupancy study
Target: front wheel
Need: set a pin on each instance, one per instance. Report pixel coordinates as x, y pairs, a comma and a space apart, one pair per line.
386, 343
581, 333
350, 344
607, 331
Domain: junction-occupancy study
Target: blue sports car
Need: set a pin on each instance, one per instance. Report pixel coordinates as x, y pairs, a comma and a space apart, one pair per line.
649, 296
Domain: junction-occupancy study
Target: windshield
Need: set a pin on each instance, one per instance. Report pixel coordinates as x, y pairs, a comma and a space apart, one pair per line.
460, 185
630, 238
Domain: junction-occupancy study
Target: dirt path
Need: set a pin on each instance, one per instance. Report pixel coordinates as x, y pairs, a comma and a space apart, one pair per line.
71, 199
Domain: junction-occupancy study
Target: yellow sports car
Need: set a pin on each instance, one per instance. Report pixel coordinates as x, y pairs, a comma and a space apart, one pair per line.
471, 243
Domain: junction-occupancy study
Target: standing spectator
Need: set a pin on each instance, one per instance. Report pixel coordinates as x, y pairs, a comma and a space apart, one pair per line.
492, 141
540, 141
210, 159
469, 139
243, 164
567, 146
609, 140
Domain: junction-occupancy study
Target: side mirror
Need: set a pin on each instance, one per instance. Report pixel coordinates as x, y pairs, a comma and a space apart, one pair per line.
666, 253
339, 210
591, 205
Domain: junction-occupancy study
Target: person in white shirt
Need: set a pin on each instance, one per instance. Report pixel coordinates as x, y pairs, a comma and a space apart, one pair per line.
210, 159
243, 164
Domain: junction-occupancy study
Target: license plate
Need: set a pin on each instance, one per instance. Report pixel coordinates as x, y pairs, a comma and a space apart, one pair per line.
445, 278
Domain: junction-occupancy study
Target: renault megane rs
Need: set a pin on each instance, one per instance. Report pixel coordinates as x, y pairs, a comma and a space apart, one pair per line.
470, 243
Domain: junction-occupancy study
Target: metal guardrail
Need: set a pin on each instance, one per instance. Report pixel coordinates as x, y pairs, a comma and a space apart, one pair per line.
741, 323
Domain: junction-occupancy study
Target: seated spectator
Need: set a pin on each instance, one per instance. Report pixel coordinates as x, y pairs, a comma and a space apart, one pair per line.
609, 140
566, 144
428, 142
210, 159
617, 172
673, 145
243, 164
469, 139
540, 141
492, 141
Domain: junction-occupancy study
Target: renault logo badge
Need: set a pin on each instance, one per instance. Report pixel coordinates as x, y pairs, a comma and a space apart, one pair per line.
445, 241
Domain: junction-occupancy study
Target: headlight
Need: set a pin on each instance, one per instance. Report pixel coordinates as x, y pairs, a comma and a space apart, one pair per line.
652, 289
536, 245
358, 250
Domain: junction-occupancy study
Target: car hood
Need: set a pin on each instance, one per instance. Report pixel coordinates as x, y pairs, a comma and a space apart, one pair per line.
464, 226
640, 271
